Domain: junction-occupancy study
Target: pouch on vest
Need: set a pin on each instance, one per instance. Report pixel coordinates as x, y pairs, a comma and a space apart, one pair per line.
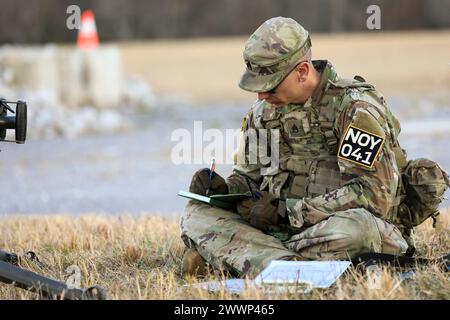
424, 184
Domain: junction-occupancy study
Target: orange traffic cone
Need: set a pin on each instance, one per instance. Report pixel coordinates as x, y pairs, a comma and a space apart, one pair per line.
87, 35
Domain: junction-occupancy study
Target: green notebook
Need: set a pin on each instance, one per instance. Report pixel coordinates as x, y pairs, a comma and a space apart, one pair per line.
224, 201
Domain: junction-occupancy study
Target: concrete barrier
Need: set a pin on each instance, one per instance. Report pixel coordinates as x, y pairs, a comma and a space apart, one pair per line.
102, 76
73, 77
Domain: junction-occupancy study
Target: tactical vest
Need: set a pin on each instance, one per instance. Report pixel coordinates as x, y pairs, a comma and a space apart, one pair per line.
309, 144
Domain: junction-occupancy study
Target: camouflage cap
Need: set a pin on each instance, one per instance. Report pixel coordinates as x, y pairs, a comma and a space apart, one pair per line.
271, 53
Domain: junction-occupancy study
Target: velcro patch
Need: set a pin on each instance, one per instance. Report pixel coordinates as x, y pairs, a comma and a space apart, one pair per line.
360, 146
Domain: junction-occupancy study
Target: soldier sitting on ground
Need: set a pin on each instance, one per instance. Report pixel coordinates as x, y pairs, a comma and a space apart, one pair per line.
336, 190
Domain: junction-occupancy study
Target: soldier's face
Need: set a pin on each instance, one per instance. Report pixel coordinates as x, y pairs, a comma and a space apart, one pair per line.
292, 89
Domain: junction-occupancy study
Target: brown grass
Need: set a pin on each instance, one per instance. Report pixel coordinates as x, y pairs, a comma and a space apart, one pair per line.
138, 257
398, 63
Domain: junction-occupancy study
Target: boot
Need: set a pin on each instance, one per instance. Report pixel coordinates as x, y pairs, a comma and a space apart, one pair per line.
193, 264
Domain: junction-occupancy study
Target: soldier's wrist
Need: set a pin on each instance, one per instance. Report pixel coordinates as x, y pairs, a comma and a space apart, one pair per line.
234, 188
294, 211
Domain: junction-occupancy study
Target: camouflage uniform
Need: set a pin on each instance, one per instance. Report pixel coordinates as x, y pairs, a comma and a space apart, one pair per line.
336, 208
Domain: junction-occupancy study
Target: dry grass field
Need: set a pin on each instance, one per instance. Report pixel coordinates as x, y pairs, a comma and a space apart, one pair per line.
138, 257
207, 70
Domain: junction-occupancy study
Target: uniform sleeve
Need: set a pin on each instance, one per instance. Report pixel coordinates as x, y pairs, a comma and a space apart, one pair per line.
366, 162
247, 165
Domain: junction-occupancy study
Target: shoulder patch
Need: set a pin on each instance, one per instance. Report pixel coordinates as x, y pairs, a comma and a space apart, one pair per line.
365, 119
360, 146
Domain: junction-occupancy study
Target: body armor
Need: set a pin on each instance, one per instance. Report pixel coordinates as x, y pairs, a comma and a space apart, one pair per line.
310, 136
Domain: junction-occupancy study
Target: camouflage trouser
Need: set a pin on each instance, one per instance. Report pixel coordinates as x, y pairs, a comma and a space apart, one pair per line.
226, 241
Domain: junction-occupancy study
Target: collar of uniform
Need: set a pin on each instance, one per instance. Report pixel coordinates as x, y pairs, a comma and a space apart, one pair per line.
327, 72
288, 108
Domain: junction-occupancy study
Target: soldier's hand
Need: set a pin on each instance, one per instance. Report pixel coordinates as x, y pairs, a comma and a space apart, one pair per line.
260, 212
201, 183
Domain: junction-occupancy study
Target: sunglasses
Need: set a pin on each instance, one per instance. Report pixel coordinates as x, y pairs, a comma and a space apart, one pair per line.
274, 89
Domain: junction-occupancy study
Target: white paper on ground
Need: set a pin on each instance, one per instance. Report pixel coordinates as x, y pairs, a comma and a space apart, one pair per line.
310, 274
235, 286
321, 274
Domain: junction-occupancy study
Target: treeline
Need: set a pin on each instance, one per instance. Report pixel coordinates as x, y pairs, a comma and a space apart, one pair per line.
41, 21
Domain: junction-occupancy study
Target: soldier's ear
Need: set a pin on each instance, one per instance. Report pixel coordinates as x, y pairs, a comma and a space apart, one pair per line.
302, 72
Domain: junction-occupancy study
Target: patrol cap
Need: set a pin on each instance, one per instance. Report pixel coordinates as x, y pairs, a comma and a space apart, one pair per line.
271, 52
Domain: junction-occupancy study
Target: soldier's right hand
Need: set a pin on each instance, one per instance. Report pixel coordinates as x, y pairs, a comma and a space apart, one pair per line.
201, 183
261, 212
